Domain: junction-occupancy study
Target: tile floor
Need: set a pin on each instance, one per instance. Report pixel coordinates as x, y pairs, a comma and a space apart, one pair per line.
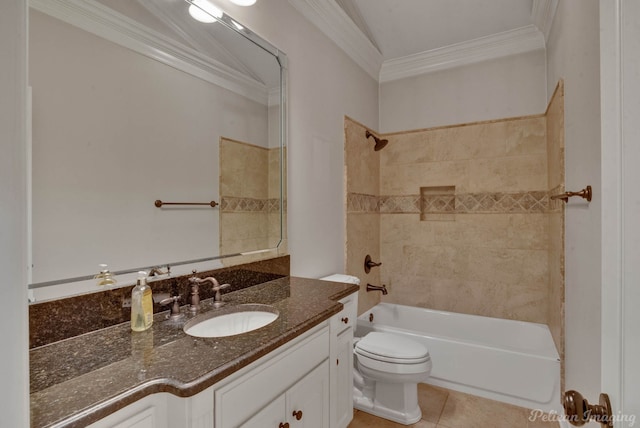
443, 408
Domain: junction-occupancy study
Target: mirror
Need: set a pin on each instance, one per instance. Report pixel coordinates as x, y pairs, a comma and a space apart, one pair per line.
133, 102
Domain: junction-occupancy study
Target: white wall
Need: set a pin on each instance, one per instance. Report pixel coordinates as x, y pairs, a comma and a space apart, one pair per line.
13, 198
132, 130
573, 55
324, 85
495, 89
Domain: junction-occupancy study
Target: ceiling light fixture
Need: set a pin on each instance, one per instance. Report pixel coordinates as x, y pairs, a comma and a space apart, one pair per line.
203, 11
243, 2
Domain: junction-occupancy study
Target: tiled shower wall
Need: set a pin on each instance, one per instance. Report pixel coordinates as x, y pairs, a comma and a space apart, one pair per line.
249, 197
555, 170
465, 220
362, 167
487, 252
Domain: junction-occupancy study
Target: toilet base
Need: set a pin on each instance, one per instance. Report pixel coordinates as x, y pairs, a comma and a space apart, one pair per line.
397, 402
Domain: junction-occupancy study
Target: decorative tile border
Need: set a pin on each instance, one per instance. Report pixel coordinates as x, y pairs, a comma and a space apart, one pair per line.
362, 203
525, 202
408, 204
469, 203
556, 205
231, 204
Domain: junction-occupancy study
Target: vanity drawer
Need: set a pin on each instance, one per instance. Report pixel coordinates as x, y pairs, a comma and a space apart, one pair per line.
347, 316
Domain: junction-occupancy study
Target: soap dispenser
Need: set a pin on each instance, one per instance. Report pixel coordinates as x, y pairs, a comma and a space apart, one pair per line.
141, 304
105, 277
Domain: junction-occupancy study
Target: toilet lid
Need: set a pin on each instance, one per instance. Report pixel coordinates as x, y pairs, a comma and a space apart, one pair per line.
392, 347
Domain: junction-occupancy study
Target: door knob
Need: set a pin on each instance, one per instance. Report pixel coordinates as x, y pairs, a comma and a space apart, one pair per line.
579, 411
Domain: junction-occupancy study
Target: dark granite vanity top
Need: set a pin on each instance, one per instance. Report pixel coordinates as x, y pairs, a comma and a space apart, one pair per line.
80, 380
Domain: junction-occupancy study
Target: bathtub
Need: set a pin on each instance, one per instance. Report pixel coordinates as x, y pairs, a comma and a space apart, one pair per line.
510, 361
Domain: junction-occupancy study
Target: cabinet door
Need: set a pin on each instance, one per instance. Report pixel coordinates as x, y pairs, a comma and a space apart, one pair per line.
308, 400
149, 412
272, 416
344, 380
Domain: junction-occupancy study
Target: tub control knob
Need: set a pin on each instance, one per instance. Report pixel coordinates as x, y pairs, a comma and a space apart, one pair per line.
369, 263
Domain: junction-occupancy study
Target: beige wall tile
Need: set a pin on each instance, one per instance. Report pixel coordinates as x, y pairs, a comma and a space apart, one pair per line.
463, 142
508, 174
556, 155
407, 179
244, 170
363, 232
555, 138
362, 162
526, 136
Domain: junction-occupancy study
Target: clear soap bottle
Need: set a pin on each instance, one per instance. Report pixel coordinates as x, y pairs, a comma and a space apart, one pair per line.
105, 277
141, 304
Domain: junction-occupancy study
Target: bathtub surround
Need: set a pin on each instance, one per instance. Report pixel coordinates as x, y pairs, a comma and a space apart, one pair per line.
465, 220
64, 318
555, 171
362, 169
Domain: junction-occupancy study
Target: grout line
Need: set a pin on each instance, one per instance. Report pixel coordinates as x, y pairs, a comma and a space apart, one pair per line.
442, 409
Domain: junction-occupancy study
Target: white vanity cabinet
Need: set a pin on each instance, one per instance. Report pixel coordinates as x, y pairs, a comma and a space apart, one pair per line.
294, 381
341, 362
304, 405
149, 412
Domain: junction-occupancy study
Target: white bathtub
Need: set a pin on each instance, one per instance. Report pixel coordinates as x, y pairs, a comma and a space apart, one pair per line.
510, 361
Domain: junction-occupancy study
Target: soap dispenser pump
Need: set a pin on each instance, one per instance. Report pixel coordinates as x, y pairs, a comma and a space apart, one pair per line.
141, 304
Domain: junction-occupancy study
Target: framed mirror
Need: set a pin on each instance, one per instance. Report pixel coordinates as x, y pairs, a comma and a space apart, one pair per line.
157, 141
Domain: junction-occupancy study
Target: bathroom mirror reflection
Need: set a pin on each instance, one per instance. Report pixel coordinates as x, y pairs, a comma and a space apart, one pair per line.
135, 101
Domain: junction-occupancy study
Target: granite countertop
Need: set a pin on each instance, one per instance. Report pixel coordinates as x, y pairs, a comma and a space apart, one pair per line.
80, 380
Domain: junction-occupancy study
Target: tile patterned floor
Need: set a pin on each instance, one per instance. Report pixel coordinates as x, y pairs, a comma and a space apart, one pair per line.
443, 408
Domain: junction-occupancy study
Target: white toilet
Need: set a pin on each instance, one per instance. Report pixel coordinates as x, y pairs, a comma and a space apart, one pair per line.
388, 368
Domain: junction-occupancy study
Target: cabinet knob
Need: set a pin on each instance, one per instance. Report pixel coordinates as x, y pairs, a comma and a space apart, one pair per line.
345, 320
297, 414
283, 425
337, 362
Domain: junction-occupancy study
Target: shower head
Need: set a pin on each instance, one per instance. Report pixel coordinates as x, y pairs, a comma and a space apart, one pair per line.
379, 143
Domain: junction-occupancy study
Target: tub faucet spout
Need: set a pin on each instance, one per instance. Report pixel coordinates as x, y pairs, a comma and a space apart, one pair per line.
382, 288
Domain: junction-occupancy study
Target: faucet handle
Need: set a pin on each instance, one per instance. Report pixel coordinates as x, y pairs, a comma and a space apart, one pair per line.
217, 298
221, 287
175, 307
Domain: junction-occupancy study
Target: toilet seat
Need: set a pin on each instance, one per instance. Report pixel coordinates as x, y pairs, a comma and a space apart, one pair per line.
391, 348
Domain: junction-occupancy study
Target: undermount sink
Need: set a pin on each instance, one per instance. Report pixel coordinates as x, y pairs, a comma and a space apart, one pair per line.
231, 321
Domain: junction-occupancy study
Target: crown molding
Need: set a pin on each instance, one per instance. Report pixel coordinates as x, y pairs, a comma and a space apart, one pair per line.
104, 22
542, 14
329, 18
498, 45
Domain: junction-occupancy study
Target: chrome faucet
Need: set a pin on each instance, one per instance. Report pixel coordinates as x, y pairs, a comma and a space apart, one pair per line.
157, 271
382, 288
195, 292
